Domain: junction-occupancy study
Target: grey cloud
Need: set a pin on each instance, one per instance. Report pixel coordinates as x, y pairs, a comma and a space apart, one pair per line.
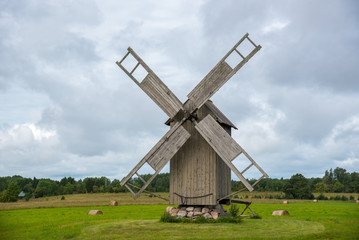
288, 101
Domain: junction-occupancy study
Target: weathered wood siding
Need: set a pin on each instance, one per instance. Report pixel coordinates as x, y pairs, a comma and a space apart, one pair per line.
196, 170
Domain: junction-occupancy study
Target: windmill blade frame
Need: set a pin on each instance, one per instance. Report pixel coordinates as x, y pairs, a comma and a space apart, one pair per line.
217, 77
226, 147
159, 155
153, 86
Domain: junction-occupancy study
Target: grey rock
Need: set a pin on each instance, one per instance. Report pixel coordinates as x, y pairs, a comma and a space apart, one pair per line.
181, 214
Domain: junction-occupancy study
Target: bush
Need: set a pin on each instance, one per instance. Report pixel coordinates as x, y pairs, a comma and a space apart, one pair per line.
234, 210
235, 196
277, 196
344, 198
28, 196
166, 217
63, 198
351, 197
337, 198
322, 197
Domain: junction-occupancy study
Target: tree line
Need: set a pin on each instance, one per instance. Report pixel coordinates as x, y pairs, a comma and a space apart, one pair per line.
337, 180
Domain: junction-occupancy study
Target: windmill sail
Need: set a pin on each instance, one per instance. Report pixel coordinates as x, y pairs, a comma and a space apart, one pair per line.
218, 76
153, 86
225, 146
159, 155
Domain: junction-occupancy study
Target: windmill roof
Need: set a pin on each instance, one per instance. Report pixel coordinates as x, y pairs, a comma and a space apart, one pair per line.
218, 115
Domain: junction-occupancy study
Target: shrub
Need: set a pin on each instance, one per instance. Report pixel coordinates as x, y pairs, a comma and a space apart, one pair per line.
344, 198
351, 197
235, 196
234, 210
28, 196
166, 217
63, 198
322, 197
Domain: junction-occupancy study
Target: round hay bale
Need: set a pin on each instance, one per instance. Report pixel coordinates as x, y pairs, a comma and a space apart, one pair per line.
94, 212
315, 200
113, 203
357, 201
285, 202
280, 212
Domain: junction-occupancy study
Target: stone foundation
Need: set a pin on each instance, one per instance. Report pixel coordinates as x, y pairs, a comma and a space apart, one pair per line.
192, 212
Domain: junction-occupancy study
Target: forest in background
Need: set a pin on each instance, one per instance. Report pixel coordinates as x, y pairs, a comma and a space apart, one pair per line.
337, 181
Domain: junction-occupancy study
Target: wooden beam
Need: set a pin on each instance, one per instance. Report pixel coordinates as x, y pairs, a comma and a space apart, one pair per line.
165, 142
224, 145
154, 87
216, 78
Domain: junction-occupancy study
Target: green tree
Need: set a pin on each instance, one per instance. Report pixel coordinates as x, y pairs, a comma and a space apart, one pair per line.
11, 194
298, 187
69, 188
338, 187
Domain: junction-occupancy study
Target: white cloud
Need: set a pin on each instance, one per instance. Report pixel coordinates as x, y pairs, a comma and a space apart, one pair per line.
351, 162
275, 26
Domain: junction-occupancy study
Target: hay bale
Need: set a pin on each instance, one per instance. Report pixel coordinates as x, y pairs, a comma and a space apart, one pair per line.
94, 212
280, 212
315, 200
285, 202
113, 203
357, 201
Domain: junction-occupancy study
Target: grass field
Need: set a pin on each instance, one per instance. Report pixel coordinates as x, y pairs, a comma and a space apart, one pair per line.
52, 218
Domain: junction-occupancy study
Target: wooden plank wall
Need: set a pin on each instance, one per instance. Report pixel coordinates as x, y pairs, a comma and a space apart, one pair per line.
196, 170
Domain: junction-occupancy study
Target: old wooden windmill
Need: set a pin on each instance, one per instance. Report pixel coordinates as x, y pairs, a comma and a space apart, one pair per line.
198, 144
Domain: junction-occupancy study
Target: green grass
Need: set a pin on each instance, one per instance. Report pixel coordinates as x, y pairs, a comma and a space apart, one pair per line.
307, 220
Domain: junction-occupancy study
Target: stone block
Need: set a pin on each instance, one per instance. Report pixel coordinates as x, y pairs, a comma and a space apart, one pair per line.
175, 210
169, 209
190, 214
197, 209
189, 209
205, 210
182, 214
215, 214
197, 214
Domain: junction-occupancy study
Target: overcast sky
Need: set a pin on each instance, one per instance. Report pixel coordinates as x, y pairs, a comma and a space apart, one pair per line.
66, 108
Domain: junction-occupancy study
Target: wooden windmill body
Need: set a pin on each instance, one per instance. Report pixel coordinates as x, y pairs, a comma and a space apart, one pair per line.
198, 145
